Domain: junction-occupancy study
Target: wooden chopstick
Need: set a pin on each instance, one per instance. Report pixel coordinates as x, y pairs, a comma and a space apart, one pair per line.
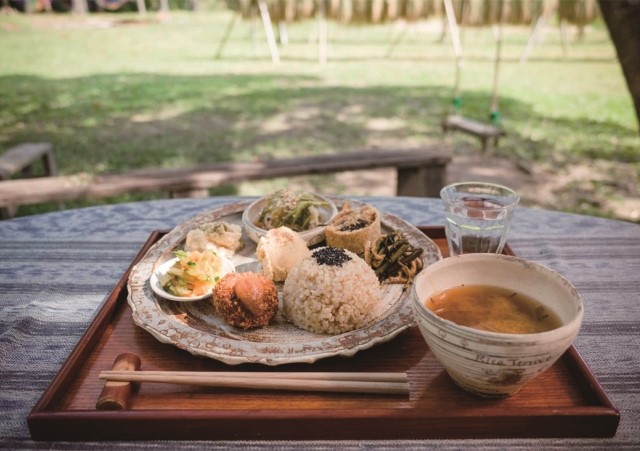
384, 383
337, 376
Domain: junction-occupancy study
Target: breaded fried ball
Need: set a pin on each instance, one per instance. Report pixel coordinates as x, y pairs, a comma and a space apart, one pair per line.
246, 300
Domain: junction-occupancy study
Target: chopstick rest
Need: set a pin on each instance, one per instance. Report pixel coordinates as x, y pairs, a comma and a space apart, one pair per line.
115, 394
373, 383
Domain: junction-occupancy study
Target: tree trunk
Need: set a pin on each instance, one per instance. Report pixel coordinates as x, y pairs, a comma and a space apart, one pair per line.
80, 7
623, 21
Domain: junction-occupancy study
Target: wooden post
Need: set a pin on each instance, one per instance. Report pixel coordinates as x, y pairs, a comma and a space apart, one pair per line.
423, 181
537, 34
80, 6
322, 32
268, 29
142, 7
225, 36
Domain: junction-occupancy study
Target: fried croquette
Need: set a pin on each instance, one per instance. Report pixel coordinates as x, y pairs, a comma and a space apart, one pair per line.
246, 300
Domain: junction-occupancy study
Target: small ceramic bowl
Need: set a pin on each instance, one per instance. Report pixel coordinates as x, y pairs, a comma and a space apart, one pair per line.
161, 269
312, 236
496, 364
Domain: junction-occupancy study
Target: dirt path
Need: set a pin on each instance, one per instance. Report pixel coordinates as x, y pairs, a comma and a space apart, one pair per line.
609, 187
382, 182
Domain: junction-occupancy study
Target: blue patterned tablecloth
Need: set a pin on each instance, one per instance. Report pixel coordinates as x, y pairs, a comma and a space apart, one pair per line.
56, 269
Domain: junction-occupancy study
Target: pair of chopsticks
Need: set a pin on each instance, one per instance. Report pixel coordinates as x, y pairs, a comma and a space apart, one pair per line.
354, 382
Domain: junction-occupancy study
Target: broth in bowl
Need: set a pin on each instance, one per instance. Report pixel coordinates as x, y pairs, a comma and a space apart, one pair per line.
493, 309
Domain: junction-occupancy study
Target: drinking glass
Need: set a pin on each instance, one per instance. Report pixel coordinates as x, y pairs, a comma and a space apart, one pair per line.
477, 216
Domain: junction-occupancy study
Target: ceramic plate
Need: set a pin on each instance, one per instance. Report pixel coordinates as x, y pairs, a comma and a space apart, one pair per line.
196, 328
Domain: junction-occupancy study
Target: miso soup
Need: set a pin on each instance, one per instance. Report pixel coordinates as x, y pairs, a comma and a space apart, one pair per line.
493, 309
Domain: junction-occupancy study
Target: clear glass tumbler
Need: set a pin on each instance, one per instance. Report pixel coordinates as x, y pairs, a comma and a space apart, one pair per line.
477, 216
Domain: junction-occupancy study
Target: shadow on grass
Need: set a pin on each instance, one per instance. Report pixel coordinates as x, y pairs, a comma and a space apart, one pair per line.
119, 122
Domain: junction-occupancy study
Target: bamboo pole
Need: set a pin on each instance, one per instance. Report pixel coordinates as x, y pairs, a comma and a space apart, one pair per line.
268, 29
323, 32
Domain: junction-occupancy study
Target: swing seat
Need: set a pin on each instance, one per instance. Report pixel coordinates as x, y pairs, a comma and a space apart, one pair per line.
481, 130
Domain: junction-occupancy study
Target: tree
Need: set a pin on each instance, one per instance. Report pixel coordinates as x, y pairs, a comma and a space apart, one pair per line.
80, 6
623, 21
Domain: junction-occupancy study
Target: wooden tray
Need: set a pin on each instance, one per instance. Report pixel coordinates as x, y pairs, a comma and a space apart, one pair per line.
565, 401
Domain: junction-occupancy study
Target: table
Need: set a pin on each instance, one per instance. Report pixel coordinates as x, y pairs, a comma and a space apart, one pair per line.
57, 268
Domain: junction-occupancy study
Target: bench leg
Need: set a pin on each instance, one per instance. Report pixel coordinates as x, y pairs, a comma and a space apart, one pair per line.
421, 181
51, 169
484, 145
49, 162
7, 212
27, 172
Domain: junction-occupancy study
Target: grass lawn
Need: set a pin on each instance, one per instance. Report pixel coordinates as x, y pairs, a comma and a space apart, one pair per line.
114, 92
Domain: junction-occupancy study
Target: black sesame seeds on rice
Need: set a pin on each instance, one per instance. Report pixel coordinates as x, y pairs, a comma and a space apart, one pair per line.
331, 256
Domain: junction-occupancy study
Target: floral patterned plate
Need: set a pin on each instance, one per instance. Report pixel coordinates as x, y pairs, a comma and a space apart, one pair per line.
196, 328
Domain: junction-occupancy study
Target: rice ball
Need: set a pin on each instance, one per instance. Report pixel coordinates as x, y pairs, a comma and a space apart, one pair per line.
333, 291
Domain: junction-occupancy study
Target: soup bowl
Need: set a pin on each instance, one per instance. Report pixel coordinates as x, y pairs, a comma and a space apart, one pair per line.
491, 364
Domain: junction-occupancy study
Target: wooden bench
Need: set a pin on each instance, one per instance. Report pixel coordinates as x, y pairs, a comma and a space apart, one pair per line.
22, 158
478, 129
421, 172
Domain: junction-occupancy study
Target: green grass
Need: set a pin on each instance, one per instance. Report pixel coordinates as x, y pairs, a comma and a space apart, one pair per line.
151, 92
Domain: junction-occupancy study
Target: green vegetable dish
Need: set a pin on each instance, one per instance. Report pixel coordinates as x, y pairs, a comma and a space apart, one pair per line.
295, 210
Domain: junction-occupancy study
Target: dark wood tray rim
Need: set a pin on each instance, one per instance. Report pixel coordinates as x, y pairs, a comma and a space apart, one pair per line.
47, 422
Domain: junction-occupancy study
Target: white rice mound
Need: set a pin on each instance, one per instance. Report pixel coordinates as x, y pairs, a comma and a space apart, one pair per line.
330, 299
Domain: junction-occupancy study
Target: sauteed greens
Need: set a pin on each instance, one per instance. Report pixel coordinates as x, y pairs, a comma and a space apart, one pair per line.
295, 210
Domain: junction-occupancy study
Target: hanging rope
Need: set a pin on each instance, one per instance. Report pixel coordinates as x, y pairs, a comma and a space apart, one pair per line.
494, 111
457, 51
452, 23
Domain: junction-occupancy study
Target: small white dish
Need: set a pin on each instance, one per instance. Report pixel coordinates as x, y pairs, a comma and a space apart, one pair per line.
312, 236
161, 270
